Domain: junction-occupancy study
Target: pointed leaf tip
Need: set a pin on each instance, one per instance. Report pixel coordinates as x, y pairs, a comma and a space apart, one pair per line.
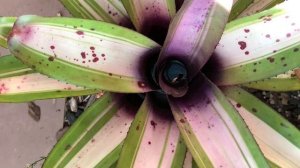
91, 59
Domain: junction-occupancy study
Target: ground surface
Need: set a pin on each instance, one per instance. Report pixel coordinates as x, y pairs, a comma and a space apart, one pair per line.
24, 140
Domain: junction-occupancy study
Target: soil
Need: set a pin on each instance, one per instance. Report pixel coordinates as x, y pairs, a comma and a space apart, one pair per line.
285, 103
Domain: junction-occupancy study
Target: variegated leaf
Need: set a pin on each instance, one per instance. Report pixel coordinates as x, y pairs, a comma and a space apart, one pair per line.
87, 53
151, 18
288, 81
193, 34
19, 83
95, 139
153, 140
212, 129
252, 49
111, 11
278, 139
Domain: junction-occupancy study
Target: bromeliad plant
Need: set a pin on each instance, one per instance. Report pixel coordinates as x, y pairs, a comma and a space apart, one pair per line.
170, 99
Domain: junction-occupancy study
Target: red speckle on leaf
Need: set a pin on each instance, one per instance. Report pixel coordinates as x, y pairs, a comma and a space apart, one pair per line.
277, 40
267, 19
271, 59
182, 120
268, 36
80, 32
96, 59
149, 142
94, 55
92, 48
15, 31
93, 140
24, 32
238, 105
288, 35
297, 29
83, 55
173, 151
246, 30
103, 55
51, 58
286, 17
52, 47
3, 88
247, 53
208, 101
153, 123
242, 44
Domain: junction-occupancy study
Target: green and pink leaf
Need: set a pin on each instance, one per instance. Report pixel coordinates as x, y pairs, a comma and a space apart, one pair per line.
192, 36
248, 51
288, 81
95, 139
153, 140
19, 83
151, 18
99, 55
227, 141
278, 139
